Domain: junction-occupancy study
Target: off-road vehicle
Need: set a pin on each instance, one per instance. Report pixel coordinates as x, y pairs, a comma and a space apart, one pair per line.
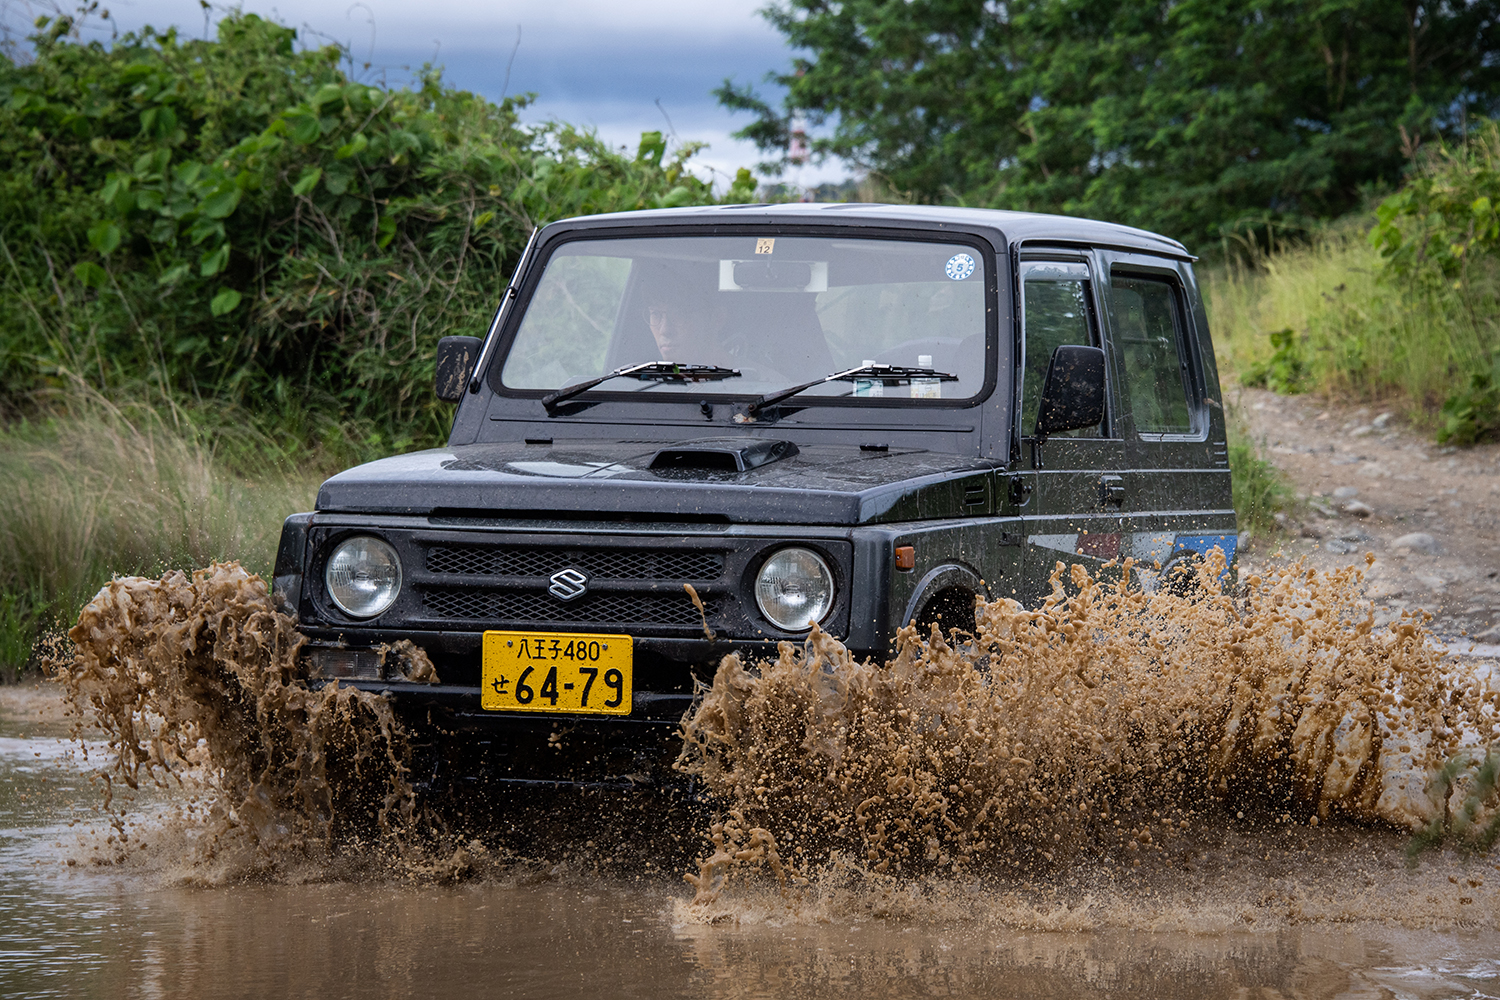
695, 431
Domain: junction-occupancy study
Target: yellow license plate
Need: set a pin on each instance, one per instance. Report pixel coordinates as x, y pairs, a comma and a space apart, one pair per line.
556, 672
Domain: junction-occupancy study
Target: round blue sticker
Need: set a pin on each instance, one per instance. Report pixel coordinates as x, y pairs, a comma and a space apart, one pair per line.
959, 266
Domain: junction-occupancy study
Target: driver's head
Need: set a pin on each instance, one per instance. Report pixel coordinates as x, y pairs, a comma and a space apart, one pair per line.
687, 326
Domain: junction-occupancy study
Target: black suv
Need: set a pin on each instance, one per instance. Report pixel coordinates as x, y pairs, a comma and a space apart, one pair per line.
695, 431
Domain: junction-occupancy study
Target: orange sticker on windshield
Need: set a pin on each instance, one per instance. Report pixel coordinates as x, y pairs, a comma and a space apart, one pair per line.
765, 245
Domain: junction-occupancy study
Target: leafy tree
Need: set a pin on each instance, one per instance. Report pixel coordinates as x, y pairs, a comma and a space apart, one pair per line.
1189, 118
237, 223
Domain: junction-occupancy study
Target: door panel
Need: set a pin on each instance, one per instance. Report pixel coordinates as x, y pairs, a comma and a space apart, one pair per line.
1074, 514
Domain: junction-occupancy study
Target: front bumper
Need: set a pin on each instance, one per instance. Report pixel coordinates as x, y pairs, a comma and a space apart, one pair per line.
459, 745
662, 665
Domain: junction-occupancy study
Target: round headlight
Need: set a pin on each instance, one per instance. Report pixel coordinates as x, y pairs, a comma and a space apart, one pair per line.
794, 589
363, 576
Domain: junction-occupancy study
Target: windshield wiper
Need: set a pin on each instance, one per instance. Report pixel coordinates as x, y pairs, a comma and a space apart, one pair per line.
664, 371
888, 374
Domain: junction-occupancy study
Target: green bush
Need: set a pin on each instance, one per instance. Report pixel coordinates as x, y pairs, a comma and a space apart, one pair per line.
1401, 308
1439, 238
1286, 370
236, 222
224, 259
1446, 218
1472, 414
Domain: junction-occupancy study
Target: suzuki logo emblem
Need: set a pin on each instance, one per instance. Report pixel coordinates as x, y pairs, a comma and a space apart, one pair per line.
568, 584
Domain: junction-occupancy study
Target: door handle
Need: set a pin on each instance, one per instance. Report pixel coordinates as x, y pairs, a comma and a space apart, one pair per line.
1111, 490
1019, 490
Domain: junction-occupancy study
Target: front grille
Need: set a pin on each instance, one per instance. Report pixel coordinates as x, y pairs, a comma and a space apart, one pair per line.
529, 608
473, 581
668, 566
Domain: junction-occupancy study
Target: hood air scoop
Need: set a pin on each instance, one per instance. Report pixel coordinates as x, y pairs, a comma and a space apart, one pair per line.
721, 456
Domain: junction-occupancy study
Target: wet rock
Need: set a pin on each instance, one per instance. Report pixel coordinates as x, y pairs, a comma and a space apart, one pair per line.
1322, 508
1362, 431
1355, 508
1346, 493
1379, 422
1349, 541
1417, 541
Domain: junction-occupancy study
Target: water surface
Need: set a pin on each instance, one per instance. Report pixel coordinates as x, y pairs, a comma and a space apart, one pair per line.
564, 930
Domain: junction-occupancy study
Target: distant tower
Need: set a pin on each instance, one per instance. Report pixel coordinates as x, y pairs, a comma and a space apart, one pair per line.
797, 151
796, 147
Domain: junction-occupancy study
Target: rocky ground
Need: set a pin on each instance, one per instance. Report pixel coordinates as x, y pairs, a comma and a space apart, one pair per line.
1368, 484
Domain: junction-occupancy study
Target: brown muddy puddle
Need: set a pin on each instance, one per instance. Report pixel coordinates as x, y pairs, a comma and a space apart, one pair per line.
1218, 802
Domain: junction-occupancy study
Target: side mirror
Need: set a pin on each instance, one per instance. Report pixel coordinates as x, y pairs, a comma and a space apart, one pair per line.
1073, 393
455, 363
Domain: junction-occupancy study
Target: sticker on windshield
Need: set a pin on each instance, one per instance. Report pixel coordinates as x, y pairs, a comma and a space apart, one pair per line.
959, 266
764, 245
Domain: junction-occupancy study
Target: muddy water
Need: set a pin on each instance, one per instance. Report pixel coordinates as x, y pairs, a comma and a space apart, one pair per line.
1283, 871
109, 931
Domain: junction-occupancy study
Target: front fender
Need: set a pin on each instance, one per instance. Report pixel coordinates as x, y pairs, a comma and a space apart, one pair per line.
941, 578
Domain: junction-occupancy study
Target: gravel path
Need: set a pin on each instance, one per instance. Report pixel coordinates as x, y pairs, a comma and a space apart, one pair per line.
1430, 515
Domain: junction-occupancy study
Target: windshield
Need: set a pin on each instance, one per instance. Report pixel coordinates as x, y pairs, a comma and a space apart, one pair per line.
779, 310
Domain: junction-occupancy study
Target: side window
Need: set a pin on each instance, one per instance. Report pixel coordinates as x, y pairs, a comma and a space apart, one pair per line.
1148, 328
1055, 311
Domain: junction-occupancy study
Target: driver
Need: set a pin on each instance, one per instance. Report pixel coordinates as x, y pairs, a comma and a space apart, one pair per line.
688, 328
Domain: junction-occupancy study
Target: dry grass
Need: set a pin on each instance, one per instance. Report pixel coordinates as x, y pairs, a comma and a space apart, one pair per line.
98, 490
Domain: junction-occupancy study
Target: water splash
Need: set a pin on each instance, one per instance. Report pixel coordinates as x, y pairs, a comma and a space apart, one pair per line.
197, 674
1107, 722
1105, 732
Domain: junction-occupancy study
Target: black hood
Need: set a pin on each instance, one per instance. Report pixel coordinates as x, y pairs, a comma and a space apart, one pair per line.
743, 480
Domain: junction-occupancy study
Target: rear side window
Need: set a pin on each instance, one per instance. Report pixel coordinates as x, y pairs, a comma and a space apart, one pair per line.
1148, 327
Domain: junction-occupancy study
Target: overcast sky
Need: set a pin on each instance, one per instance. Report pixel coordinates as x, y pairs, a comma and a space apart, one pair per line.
590, 62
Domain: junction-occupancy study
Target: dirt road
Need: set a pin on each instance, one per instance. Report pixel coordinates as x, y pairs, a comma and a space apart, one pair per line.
1366, 483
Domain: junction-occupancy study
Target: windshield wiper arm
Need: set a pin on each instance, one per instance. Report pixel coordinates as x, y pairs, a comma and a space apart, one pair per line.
888, 374
665, 371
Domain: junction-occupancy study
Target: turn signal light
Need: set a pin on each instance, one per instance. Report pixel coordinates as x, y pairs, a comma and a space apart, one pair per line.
328, 664
906, 557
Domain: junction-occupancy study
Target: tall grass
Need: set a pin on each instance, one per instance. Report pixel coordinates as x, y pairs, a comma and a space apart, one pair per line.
1352, 333
1260, 489
96, 489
